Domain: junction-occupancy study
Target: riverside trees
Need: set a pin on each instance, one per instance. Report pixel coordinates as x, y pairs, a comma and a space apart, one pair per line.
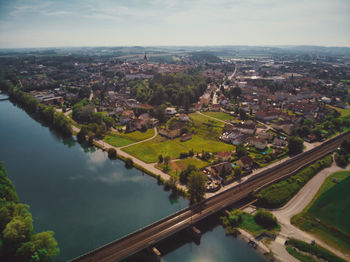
18, 242
43, 113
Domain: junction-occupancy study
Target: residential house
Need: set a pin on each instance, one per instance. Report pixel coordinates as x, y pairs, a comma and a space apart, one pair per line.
260, 144
245, 162
126, 116
184, 117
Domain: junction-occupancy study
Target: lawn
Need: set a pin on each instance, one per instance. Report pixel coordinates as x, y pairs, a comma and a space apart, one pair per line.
150, 150
343, 112
219, 115
177, 166
247, 223
328, 215
198, 118
122, 139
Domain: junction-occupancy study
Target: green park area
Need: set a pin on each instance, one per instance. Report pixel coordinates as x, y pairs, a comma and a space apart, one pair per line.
205, 132
328, 215
219, 115
122, 139
150, 150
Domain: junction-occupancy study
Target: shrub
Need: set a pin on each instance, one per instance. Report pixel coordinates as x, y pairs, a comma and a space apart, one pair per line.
265, 219
281, 192
112, 153
129, 163
316, 250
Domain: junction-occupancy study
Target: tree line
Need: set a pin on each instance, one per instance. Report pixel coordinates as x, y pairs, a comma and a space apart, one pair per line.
41, 112
18, 242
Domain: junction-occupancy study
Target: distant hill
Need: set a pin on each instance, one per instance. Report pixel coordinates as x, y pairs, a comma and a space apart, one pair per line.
204, 57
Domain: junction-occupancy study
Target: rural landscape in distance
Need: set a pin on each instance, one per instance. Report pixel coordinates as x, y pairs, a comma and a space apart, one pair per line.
171, 131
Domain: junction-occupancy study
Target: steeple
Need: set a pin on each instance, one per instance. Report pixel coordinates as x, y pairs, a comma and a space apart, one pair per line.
145, 61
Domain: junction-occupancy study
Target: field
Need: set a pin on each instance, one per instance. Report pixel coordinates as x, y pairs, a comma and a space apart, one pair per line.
219, 115
179, 165
122, 139
200, 119
150, 150
343, 112
328, 215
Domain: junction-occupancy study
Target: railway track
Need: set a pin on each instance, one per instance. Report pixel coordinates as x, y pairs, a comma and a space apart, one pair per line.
178, 221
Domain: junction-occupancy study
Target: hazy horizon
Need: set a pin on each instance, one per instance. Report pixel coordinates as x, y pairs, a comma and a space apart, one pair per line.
107, 23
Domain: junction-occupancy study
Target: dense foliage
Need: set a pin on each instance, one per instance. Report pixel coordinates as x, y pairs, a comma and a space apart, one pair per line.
43, 113
204, 57
96, 124
112, 153
342, 155
179, 89
18, 242
295, 145
196, 186
265, 218
279, 193
315, 250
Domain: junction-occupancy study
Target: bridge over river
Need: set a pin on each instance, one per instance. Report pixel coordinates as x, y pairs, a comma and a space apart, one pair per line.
150, 235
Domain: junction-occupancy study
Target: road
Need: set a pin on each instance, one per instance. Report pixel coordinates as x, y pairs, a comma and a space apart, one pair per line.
297, 205
233, 74
150, 235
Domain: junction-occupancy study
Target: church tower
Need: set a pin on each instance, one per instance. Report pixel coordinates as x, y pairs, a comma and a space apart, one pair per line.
145, 62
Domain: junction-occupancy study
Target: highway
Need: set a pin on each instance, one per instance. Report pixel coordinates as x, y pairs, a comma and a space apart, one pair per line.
159, 230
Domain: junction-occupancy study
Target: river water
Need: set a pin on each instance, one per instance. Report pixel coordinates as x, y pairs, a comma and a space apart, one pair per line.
89, 200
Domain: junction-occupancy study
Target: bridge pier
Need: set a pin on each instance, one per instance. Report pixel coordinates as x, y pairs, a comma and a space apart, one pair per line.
153, 255
195, 233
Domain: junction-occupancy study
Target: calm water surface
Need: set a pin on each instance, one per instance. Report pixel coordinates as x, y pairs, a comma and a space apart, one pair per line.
89, 200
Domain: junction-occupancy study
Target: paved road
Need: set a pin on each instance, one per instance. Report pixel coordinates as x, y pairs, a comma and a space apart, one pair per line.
150, 235
296, 205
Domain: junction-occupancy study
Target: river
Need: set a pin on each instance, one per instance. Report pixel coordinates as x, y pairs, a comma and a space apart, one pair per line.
89, 200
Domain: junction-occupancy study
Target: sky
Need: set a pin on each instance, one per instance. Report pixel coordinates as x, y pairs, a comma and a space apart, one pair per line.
57, 23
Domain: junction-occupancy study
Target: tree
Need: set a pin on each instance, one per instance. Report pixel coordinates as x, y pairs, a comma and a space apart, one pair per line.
265, 219
241, 151
196, 186
41, 247
237, 172
295, 145
129, 163
185, 173
166, 160
112, 153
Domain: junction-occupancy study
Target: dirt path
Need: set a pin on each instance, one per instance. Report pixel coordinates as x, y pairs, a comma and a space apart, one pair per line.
295, 206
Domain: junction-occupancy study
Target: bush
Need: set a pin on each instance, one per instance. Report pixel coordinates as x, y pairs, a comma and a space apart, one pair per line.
129, 163
183, 155
281, 192
112, 153
316, 250
265, 219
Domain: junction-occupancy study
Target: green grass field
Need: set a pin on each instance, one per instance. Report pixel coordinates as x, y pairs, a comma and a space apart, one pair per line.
179, 165
219, 115
200, 119
122, 139
150, 150
331, 208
